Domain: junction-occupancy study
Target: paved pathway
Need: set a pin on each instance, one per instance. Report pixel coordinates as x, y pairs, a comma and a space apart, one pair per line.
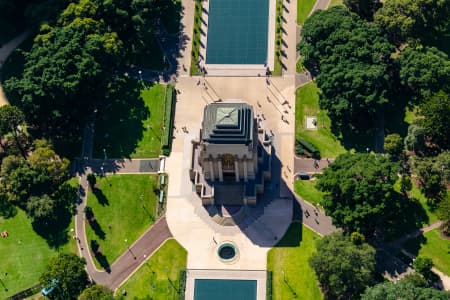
5, 51
310, 165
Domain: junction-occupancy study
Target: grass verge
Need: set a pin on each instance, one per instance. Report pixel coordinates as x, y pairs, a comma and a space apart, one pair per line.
307, 190
303, 9
25, 254
432, 245
124, 206
278, 66
132, 128
159, 276
288, 261
195, 53
307, 104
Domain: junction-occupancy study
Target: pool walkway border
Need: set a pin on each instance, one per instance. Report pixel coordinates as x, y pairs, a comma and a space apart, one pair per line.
259, 275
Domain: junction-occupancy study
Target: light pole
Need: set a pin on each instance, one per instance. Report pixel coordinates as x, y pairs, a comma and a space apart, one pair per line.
140, 75
367, 149
128, 247
103, 171
104, 154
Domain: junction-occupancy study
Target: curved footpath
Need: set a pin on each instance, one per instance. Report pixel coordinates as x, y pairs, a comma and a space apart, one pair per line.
5, 51
134, 256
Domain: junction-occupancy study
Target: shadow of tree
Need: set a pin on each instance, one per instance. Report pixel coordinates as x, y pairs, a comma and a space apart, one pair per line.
101, 198
414, 245
97, 228
412, 218
292, 237
101, 259
119, 124
55, 232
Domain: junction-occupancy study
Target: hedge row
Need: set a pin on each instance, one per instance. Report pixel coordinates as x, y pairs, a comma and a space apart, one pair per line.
301, 145
166, 141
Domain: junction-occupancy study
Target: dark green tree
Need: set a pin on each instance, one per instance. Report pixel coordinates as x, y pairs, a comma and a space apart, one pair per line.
68, 270
96, 292
353, 61
344, 269
364, 8
359, 192
424, 71
41, 209
423, 265
436, 119
406, 20
403, 289
433, 175
415, 140
393, 144
12, 121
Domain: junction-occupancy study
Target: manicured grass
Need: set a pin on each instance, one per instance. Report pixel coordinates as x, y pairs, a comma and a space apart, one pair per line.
278, 67
307, 190
335, 2
307, 104
303, 9
120, 213
195, 54
288, 261
433, 246
159, 276
299, 65
24, 254
416, 194
133, 128
150, 144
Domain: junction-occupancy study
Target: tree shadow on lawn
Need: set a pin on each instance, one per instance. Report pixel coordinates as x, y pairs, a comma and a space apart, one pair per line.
56, 232
292, 237
407, 217
414, 245
100, 196
119, 125
101, 259
97, 228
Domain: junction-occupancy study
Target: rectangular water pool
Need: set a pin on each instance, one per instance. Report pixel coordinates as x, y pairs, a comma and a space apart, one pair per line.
224, 289
237, 32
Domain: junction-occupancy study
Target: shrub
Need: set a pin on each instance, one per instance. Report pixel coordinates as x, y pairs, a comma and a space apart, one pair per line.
299, 150
166, 142
313, 151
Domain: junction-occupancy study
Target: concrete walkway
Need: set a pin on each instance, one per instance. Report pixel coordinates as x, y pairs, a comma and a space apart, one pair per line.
5, 51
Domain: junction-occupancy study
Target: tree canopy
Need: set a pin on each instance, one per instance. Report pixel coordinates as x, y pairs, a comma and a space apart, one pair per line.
403, 289
344, 269
404, 20
424, 71
435, 119
69, 271
352, 60
359, 192
96, 292
364, 8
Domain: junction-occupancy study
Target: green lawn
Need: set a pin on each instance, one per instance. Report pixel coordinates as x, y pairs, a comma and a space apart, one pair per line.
303, 9
433, 246
299, 65
158, 277
120, 213
416, 194
307, 190
24, 254
132, 129
288, 261
307, 104
195, 54
335, 2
